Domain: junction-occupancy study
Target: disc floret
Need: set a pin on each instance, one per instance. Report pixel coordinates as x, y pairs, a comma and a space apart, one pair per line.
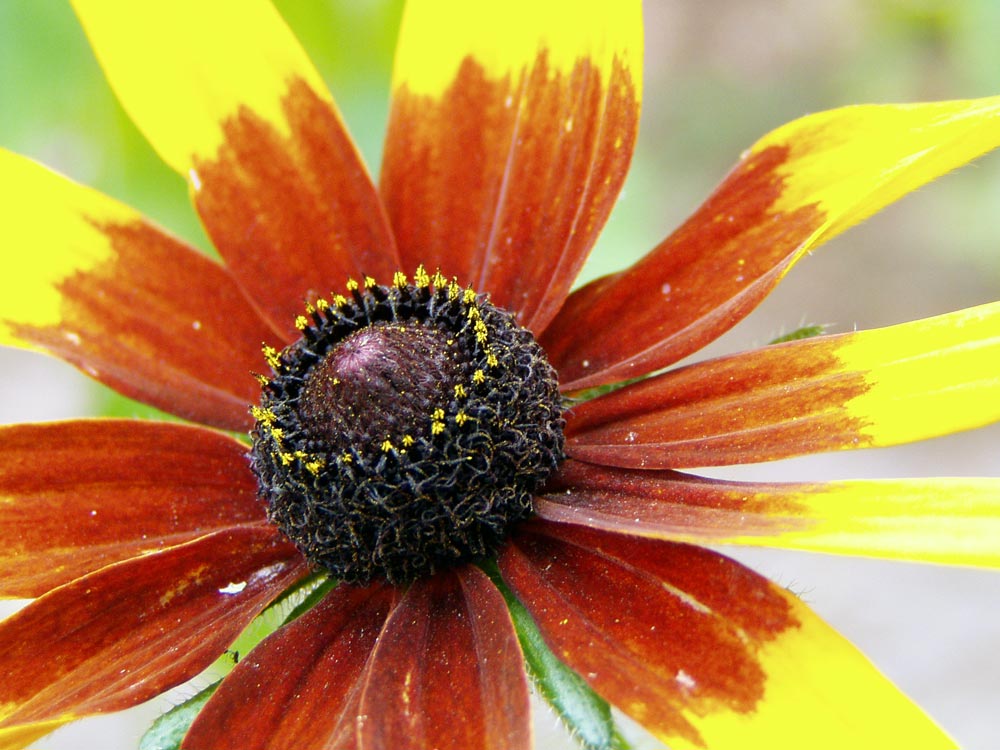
405, 430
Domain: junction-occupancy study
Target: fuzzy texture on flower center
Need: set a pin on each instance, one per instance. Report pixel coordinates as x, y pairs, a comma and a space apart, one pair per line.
406, 430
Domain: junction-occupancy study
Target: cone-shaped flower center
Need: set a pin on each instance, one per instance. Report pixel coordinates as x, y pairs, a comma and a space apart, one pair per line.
406, 430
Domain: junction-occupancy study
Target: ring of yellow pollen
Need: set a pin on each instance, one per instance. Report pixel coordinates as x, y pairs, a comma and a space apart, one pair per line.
406, 430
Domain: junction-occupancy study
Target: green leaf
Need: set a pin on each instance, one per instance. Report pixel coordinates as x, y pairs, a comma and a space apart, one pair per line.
168, 730
586, 714
805, 332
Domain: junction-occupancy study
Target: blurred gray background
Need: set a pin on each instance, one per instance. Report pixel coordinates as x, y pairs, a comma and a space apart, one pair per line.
719, 74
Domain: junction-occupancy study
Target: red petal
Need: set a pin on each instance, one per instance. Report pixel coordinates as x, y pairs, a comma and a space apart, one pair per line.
654, 627
75, 496
949, 521
132, 630
665, 504
774, 402
95, 284
294, 216
794, 189
509, 138
702, 651
696, 284
448, 672
299, 688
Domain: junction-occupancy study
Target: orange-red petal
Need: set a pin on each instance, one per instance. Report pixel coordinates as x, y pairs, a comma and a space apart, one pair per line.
299, 688
868, 388
447, 673
243, 115
700, 650
794, 189
944, 521
510, 133
75, 496
90, 281
132, 630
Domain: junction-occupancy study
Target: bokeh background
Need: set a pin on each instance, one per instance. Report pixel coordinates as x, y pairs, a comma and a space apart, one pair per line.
719, 74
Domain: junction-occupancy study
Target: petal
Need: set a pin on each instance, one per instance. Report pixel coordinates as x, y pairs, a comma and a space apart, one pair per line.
701, 650
870, 388
943, 521
132, 630
795, 189
509, 137
90, 281
449, 650
299, 687
76, 496
229, 99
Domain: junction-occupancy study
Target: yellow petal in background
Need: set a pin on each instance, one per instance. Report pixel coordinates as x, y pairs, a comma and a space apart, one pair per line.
182, 68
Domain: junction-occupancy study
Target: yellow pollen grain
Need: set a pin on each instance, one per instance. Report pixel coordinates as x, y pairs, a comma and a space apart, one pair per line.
460, 391
469, 296
387, 446
271, 356
399, 279
473, 313
370, 283
322, 304
438, 414
439, 281
437, 428
286, 458
420, 278
262, 380
277, 433
301, 322
491, 359
454, 290
352, 285
264, 416
478, 376
314, 467
339, 300
407, 440
461, 418
346, 458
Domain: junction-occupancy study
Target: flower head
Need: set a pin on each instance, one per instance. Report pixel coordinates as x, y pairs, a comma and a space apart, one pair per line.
481, 465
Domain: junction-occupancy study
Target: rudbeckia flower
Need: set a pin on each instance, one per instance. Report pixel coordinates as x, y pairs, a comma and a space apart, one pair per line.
470, 471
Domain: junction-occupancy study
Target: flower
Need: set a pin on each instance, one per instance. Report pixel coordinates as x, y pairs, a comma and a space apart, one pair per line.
146, 544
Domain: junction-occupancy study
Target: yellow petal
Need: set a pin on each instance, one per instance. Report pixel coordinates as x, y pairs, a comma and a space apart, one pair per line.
182, 68
19, 737
820, 693
794, 189
88, 280
927, 378
864, 389
853, 161
506, 37
39, 209
943, 521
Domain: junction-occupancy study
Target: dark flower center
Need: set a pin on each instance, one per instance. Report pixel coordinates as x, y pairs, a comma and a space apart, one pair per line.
406, 430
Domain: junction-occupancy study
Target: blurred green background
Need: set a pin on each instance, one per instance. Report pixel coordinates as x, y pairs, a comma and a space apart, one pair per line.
719, 74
